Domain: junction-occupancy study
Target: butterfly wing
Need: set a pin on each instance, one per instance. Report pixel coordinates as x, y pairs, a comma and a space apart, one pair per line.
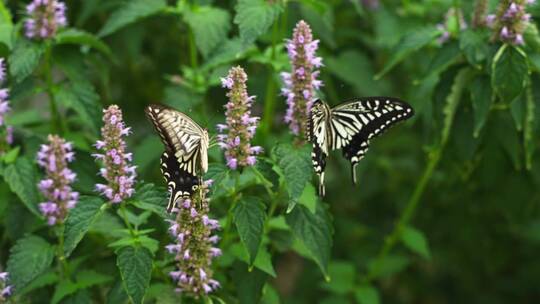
354, 124
185, 144
318, 135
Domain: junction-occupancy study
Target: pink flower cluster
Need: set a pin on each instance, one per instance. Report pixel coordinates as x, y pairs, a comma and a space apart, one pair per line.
44, 18
118, 172
5, 289
510, 21
301, 82
193, 246
240, 127
55, 187
6, 132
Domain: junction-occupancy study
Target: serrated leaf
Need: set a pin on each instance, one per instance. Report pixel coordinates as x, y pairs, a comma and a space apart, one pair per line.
130, 12
79, 37
82, 97
28, 258
254, 17
135, 265
475, 45
210, 26
24, 59
79, 221
366, 294
249, 283
297, 170
117, 294
309, 198
482, 98
263, 260
416, 241
452, 102
150, 198
249, 218
21, 179
314, 232
45, 279
509, 73
443, 59
517, 109
409, 44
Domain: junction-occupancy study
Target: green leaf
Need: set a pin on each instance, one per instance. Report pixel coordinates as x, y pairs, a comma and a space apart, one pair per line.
342, 276
117, 294
21, 178
45, 279
79, 220
474, 44
228, 51
297, 170
309, 198
249, 284
366, 294
314, 232
79, 37
131, 11
150, 198
517, 109
482, 98
409, 44
81, 96
452, 101
24, 59
249, 218
83, 280
135, 265
263, 260
28, 258
388, 265
445, 57
6, 26
509, 73
254, 17
210, 26
416, 241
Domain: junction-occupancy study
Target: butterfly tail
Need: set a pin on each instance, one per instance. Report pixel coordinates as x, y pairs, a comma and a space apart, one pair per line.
322, 188
353, 173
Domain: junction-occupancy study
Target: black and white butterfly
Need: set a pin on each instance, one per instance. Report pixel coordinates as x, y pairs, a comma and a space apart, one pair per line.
185, 159
350, 127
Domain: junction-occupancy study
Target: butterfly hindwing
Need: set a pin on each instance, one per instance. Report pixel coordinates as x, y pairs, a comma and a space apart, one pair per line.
181, 183
317, 134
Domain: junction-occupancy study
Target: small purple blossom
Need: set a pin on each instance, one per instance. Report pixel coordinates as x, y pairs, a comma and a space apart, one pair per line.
510, 21
240, 128
193, 245
6, 132
117, 170
301, 83
56, 185
44, 19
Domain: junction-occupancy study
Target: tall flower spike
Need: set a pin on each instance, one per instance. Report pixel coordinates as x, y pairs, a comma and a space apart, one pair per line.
5, 289
301, 83
44, 19
6, 132
510, 21
118, 172
236, 135
56, 186
193, 245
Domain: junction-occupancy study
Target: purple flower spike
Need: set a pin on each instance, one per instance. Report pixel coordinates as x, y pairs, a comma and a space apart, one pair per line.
240, 128
6, 132
5, 289
510, 22
193, 245
56, 186
301, 83
117, 170
44, 19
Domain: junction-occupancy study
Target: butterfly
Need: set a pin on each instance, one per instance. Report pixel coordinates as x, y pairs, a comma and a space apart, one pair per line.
185, 159
350, 127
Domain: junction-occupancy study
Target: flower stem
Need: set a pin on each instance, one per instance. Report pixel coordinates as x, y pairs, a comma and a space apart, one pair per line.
270, 99
192, 50
58, 125
64, 267
124, 217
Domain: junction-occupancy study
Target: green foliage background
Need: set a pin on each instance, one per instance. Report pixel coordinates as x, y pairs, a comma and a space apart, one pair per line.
446, 210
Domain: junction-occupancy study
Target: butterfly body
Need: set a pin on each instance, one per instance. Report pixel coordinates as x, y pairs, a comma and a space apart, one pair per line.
185, 159
350, 127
